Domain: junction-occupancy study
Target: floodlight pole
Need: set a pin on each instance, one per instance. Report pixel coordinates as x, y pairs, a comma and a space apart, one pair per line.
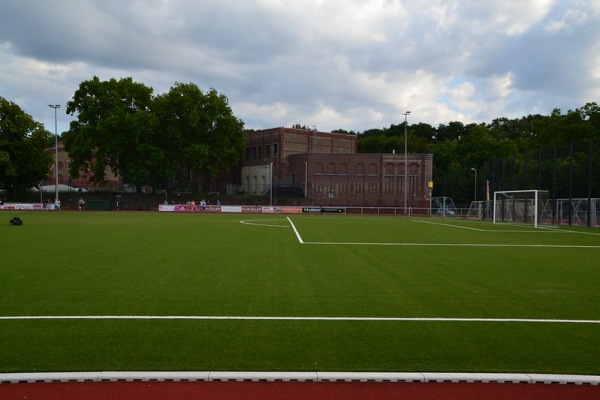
475, 183
271, 187
407, 113
305, 179
55, 106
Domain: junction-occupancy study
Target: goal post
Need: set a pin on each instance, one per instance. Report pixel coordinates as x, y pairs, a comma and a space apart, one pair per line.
481, 210
529, 207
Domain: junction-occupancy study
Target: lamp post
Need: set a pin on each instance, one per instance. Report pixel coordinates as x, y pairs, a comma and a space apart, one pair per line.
305, 179
406, 114
475, 183
55, 106
271, 187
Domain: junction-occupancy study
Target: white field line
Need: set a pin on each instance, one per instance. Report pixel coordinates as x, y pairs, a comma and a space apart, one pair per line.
547, 246
449, 225
539, 230
580, 233
258, 222
284, 318
295, 230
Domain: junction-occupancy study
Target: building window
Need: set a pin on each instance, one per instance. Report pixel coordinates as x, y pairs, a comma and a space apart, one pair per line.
372, 169
389, 169
360, 169
319, 168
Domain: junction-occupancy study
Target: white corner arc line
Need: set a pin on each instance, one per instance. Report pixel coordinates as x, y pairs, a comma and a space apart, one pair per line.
295, 230
291, 318
256, 223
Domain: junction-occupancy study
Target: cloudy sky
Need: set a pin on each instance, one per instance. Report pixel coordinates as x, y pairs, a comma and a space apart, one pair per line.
349, 64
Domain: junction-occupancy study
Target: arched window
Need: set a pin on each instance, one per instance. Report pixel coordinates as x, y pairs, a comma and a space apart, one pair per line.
360, 169
372, 169
330, 168
389, 169
319, 168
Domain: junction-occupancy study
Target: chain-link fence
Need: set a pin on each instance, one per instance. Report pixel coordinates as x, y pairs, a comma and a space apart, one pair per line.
568, 172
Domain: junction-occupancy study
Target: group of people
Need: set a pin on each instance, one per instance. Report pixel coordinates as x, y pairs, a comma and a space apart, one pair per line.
57, 204
202, 203
48, 204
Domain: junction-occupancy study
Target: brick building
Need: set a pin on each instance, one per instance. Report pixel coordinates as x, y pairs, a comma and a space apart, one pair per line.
112, 183
309, 167
320, 168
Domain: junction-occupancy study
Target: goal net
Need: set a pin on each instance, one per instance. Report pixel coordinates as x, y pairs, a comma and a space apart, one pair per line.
443, 207
529, 207
480, 210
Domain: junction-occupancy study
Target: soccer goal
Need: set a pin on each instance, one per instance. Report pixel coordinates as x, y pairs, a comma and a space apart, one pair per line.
481, 210
529, 207
443, 207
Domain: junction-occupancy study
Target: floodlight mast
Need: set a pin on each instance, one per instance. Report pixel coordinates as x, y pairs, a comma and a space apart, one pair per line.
407, 113
271, 187
55, 107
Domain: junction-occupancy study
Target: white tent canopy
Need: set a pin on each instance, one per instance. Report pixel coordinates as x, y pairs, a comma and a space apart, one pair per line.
61, 188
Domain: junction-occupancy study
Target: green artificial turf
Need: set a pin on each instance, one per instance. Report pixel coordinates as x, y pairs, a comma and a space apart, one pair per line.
144, 264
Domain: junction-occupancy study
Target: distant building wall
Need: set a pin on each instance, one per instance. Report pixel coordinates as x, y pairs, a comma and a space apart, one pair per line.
113, 183
275, 146
364, 179
325, 169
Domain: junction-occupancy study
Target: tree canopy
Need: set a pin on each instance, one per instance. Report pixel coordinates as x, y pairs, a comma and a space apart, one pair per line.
113, 126
147, 139
152, 140
198, 130
23, 158
458, 149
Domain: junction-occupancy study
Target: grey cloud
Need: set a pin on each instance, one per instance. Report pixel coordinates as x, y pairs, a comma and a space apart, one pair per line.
363, 62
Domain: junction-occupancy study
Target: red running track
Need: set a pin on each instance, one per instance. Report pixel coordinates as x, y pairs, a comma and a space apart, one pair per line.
294, 390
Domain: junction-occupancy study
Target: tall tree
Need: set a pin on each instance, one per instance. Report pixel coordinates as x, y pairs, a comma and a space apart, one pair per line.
591, 113
199, 131
114, 129
23, 160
